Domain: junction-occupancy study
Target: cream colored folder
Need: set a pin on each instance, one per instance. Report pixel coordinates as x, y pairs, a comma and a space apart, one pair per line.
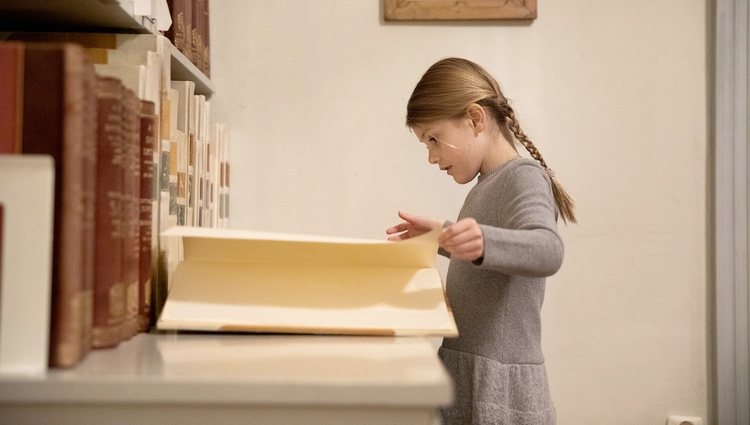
232, 280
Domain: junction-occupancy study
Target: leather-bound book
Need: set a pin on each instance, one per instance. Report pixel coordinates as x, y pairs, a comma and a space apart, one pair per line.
180, 33
11, 97
131, 206
196, 41
58, 79
148, 126
2, 214
109, 287
206, 41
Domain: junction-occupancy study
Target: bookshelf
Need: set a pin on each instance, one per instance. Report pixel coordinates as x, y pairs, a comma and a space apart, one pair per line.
158, 377
231, 379
125, 48
184, 69
66, 15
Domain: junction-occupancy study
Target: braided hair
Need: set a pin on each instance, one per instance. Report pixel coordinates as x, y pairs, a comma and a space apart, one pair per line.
447, 90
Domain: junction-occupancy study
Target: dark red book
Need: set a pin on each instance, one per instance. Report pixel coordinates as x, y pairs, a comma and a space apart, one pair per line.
206, 42
58, 81
11, 96
148, 144
131, 205
196, 40
2, 214
109, 289
180, 33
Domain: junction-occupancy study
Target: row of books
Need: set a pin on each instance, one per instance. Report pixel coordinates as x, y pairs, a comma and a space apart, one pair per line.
190, 31
194, 182
106, 111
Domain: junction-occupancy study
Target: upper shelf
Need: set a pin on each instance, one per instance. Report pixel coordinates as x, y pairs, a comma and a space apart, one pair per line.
184, 69
111, 16
78, 15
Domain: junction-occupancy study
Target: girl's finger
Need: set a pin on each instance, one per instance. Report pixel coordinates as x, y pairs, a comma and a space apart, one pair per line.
406, 216
397, 228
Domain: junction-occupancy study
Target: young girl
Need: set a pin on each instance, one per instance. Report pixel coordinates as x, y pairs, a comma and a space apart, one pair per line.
501, 248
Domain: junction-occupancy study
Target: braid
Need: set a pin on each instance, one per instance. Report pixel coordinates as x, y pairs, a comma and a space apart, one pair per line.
563, 201
447, 90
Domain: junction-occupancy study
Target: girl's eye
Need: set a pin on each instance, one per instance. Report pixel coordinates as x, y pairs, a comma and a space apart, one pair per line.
433, 140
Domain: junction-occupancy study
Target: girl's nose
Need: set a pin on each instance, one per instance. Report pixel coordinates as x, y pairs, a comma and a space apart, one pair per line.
432, 157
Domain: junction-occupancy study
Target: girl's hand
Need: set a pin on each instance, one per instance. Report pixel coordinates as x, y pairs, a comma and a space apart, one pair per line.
412, 226
463, 240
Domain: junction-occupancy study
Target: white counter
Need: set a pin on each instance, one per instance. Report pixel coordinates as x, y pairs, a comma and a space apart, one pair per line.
248, 379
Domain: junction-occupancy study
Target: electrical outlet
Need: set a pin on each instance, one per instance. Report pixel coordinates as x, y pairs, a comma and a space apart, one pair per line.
684, 420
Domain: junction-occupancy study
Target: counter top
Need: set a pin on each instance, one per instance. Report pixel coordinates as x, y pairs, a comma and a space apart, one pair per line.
246, 369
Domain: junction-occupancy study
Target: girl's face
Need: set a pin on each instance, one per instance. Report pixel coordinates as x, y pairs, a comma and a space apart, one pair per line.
453, 146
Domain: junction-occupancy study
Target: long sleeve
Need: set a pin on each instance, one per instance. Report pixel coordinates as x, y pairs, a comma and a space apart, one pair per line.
526, 243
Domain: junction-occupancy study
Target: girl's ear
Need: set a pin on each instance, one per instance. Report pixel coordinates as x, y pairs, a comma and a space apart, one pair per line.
478, 118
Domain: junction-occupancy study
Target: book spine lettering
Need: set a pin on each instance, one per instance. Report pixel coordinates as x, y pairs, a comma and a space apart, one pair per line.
54, 88
131, 202
109, 294
148, 125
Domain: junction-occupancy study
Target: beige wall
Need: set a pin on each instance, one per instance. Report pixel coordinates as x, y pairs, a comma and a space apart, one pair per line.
614, 94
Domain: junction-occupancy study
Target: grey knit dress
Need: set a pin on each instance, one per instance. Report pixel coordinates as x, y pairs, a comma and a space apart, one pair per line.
496, 362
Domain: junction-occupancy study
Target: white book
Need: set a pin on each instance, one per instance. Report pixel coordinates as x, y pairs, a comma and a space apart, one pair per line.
234, 280
26, 226
185, 91
133, 77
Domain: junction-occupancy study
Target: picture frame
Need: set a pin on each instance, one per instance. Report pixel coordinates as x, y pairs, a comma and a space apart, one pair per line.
461, 10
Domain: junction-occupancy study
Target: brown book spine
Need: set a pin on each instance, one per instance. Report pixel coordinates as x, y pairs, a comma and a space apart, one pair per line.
90, 184
196, 43
102, 40
109, 289
206, 41
131, 202
148, 135
55, 88
2, 215
11, 96
180, 33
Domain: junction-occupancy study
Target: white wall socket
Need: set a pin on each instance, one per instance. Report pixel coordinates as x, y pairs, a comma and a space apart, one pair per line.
684, 420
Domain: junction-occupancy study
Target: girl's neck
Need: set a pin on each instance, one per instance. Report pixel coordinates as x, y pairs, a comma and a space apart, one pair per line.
500, 152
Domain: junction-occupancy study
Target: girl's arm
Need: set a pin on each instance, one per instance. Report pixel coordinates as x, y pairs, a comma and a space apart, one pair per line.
528, 243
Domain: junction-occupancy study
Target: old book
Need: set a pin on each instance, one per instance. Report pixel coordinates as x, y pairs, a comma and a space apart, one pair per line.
122, 49
206, 68
196, 42
199, 165
235, 281
145, 51
109, 287
129, 55
176, 149
131, 190
58, 82
11, 87
148, 134
184, 112
133, 77
224, 176
197, 141
87, 39
180, 33
217, 150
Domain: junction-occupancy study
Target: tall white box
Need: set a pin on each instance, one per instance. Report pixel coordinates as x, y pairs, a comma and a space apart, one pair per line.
27, 184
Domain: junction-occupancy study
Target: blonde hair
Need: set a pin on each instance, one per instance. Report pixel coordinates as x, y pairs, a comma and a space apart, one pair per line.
447, 90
